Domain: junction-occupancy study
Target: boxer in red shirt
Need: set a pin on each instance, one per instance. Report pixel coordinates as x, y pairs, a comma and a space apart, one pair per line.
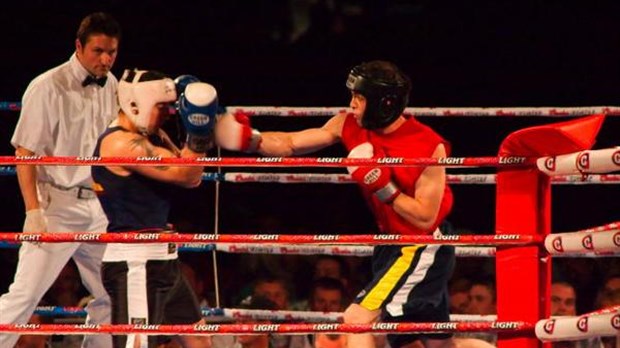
409, 281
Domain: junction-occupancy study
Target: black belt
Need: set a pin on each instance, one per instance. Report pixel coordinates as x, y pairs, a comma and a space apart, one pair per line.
81, 192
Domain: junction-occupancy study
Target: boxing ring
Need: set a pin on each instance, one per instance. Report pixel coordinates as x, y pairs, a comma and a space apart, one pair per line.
529, 162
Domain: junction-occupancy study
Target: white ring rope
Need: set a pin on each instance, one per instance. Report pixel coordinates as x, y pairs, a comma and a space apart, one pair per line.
311, 316
590, 161
342, 250
306, 178
583, 242
553, 111
578, 328
329, 178
363, 251
233, 314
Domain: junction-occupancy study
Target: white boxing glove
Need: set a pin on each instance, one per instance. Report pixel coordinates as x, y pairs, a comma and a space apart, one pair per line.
377, 180
234, 132
35, 222
364, 150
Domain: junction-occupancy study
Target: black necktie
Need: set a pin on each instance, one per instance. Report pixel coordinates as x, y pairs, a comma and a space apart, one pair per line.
91, 79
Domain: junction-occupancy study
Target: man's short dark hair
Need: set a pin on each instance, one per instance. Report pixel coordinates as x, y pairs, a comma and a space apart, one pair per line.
98, 23
487, 281
327, 283
258, 302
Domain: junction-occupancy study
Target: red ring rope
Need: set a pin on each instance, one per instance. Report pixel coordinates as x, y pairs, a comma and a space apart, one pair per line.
509, 161
210, 329
391, 239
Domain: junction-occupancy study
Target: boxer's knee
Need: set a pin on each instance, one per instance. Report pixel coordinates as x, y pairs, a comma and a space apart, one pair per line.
356, 314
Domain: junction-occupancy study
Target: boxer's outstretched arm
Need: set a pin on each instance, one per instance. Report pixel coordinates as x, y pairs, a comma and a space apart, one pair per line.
234, 132
302, 142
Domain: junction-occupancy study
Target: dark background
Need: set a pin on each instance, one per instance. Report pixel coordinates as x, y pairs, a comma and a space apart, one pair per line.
458, 53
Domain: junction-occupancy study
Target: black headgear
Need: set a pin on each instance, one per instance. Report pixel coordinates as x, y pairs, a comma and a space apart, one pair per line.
385, 88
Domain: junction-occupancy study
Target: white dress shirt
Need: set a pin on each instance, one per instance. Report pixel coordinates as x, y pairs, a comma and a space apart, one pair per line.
59, 117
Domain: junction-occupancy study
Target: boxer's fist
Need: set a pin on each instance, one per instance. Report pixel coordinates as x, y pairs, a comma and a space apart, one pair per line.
234, 132
182, 81
197, 109
377, 180
35, 222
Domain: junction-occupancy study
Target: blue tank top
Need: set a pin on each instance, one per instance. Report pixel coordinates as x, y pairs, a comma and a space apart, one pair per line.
132, 202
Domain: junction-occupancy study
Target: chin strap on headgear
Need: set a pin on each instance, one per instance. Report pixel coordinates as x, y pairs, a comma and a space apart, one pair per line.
137, 98
386, 99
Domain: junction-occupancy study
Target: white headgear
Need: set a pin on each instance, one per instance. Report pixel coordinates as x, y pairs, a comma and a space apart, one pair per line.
137, 98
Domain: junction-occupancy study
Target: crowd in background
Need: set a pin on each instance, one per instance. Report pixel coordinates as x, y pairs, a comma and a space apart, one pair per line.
327, 283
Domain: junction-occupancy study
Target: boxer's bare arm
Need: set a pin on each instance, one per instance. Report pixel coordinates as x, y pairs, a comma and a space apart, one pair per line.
302, 142
136, 145
422, 209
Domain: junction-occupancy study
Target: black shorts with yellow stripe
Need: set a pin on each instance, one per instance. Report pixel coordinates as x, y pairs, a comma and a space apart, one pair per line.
410, 284
148, 292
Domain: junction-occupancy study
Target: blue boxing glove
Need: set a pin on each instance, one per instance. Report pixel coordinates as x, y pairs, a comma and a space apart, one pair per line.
182, 81
197, 109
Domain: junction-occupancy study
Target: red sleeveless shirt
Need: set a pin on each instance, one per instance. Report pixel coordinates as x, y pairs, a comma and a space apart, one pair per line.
411, 139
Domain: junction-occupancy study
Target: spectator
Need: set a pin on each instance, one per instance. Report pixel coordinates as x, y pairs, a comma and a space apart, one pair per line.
195, 271
277, 290
563, 303
563, 299
65, 291
482, 298
609, 296
584, 274
458, 289
255, 341
331, 266
326, 295
482, 301
471, 343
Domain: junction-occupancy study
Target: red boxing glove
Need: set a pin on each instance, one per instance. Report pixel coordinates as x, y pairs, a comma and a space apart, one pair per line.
377, 180
234, 132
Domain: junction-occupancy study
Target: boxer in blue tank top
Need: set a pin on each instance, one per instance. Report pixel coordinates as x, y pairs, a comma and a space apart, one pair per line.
144, 280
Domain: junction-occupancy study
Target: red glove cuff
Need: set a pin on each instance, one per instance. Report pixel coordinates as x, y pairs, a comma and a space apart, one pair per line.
250, 138
242, 118
388, 193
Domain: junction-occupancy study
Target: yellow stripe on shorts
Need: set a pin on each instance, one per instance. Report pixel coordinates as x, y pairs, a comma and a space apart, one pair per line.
379, 293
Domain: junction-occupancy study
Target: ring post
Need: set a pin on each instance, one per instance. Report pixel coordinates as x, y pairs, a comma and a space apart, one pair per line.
523, 206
